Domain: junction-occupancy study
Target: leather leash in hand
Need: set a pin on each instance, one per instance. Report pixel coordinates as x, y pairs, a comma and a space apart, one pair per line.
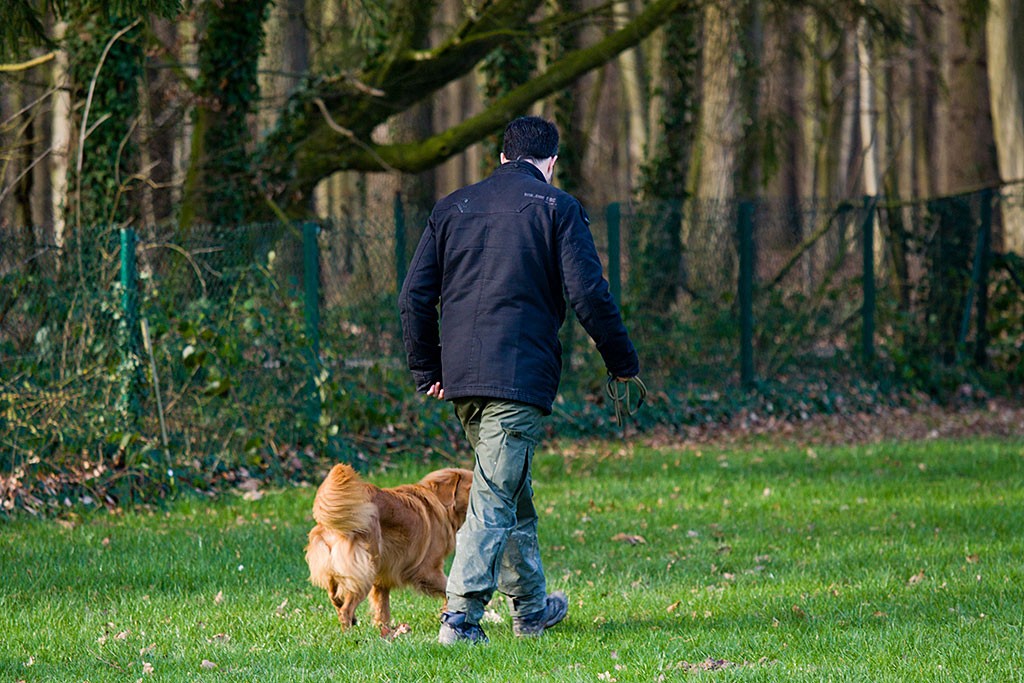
619, 392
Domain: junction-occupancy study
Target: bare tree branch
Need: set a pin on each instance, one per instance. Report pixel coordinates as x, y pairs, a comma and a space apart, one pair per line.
25, 66
418, 156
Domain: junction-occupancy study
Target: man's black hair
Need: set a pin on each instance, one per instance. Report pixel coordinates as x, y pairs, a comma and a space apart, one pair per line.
530, 137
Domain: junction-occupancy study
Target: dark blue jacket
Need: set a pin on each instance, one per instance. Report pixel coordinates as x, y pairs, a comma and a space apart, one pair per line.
500, 256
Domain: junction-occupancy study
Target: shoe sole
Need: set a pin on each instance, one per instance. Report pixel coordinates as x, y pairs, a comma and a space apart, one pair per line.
449, 636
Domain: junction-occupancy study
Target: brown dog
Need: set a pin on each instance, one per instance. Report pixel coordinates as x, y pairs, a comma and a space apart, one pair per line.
369, 540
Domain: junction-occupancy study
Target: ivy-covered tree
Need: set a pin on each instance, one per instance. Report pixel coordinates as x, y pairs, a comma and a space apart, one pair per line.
105, 76
663, 181
217, 184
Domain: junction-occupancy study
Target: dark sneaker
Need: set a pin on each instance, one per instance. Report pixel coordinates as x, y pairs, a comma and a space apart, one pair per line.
455, 629
534, 624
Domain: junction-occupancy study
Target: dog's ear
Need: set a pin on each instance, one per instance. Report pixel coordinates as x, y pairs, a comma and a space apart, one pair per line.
455, 488
444, 484
448, 488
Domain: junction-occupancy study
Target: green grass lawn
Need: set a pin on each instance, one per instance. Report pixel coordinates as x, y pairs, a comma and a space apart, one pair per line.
894, 562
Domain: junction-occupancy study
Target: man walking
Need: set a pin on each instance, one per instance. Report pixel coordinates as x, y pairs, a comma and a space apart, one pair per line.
500, 256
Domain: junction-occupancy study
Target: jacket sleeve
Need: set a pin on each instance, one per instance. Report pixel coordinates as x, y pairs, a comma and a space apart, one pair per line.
417, 306
589, 294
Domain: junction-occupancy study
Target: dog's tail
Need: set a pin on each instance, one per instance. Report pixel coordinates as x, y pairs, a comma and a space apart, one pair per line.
345, 542
343, 504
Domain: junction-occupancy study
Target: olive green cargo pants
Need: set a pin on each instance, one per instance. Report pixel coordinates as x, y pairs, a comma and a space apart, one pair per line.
497, 546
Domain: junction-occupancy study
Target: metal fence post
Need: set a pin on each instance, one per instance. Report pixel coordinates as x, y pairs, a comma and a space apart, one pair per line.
311, 290
868, 267
613, 215
746, 292
979, 281
131, 363
400, 265
981, 345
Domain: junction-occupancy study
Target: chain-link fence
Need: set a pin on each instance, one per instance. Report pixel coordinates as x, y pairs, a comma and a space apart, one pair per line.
879, 287
220, 346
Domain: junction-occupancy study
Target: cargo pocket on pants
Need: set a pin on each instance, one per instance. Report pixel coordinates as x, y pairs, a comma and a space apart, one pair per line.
524, 443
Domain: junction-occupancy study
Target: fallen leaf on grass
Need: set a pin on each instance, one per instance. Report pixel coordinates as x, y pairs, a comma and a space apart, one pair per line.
630, 539
249, 484
207, 664
916, 578
712, 664
396, 632
709, 664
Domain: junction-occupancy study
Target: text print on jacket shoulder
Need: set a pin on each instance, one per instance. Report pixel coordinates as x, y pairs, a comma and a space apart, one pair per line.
548, 199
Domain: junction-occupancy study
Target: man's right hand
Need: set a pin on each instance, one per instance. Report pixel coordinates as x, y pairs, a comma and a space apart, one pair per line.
435, 390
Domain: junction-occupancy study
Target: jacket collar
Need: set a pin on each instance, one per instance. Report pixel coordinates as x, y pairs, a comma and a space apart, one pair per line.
520, 167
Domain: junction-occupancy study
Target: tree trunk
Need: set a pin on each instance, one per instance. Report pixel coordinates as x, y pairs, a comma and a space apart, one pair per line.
633, 101
218, 188
418, 190
967, 135
665, 175
1005, 45
720, 116
61, 141
866, 113
749, 171
569, 112
287, 64
160, 132
925, 141
794, 185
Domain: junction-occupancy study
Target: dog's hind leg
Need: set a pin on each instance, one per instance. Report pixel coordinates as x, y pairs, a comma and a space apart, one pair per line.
346, 604
380, 599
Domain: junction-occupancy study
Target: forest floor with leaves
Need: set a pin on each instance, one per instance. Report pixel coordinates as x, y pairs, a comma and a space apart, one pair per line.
915, 422
423, 431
